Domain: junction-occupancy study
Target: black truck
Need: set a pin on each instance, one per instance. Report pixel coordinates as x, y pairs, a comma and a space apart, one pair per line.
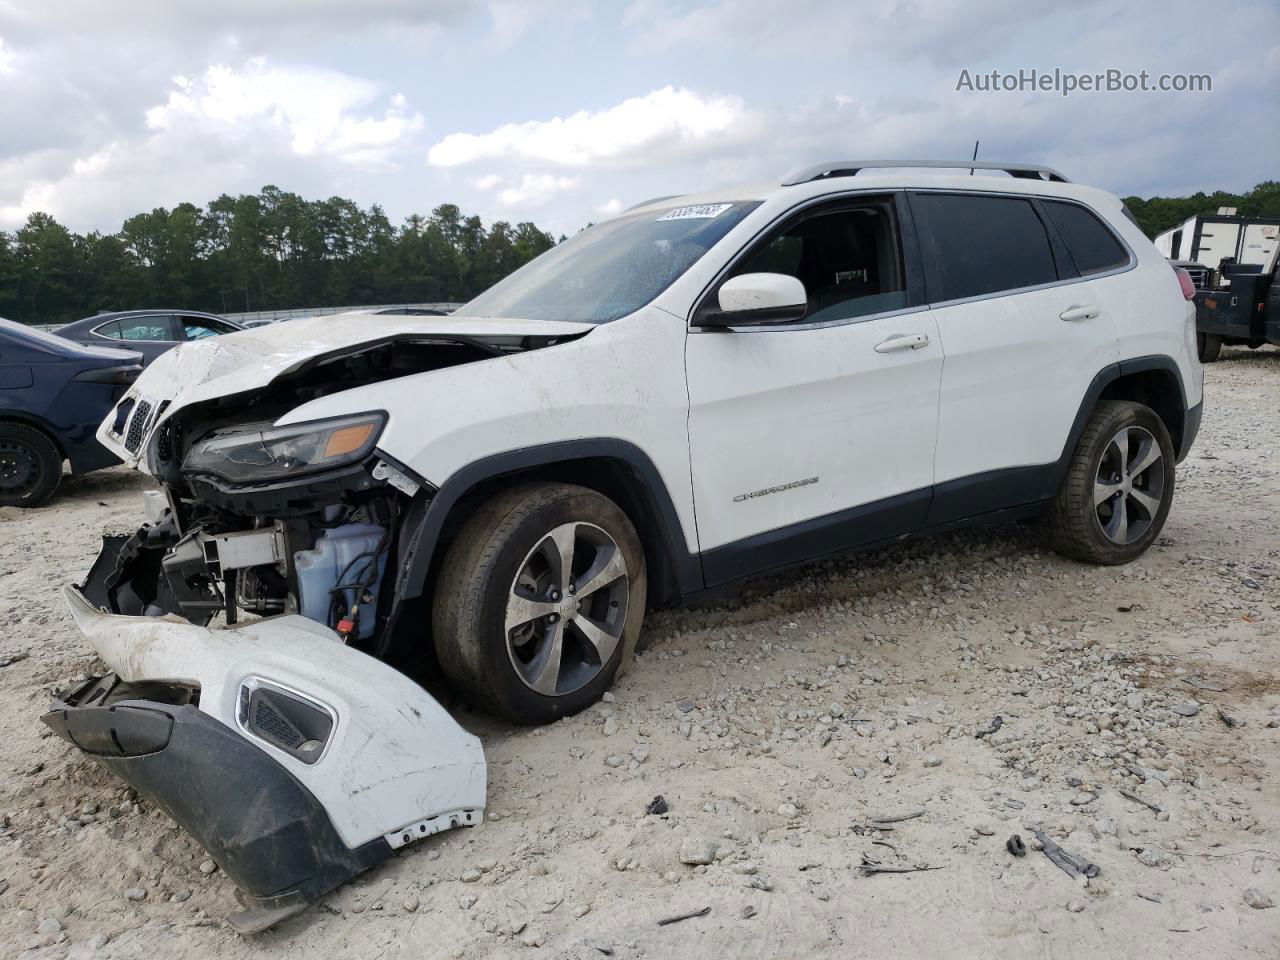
1236, 304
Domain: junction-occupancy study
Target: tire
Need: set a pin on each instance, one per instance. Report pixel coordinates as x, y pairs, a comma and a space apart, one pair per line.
1084, 527
30, 466
502, 599
1209, 346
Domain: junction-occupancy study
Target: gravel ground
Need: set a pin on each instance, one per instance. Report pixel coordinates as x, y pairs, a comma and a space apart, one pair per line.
784, 726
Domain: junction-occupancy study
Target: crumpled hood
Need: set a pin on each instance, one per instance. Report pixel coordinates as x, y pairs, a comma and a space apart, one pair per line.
251, 359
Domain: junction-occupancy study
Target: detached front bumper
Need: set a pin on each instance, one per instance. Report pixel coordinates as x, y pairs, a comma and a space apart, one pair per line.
296, 761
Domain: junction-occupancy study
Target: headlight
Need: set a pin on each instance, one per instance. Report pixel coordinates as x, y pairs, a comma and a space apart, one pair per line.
265, 452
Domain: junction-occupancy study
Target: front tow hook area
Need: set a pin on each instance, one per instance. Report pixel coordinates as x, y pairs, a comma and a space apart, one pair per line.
296, 761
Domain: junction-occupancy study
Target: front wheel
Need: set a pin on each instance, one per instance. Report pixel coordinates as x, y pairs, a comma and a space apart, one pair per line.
540, 601
1119, 486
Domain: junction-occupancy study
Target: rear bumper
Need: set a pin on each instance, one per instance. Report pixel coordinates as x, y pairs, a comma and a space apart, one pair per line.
287, 819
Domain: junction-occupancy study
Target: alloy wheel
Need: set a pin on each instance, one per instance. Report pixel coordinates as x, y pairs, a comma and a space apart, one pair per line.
567, 608
1130, 485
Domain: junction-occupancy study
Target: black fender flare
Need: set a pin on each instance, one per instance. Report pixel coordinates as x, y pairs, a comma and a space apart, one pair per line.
425, 521
1109, 375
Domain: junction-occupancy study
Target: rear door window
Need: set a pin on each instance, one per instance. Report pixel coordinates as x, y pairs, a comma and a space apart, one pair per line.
155, 327
1091, 244
976, 245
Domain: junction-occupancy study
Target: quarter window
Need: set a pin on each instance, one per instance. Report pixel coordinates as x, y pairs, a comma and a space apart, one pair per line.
978, 245
197, 328
1093, 247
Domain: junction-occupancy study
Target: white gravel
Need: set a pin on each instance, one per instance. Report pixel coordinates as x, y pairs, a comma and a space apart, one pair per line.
785, 726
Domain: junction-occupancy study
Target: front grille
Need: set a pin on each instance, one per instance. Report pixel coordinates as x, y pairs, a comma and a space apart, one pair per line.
1199, 277
137, 426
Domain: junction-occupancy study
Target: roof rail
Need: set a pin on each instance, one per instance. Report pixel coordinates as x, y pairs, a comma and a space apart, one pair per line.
850, 168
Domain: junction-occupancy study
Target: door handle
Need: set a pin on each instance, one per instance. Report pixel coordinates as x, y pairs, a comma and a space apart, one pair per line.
903, 341
1074, 313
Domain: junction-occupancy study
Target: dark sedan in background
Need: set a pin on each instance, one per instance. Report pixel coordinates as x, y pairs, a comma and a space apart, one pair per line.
149, 332
53, 395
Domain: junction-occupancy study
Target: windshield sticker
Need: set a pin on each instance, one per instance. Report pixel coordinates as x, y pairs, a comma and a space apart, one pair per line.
700, 211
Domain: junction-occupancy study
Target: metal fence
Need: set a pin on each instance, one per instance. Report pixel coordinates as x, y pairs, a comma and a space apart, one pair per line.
328, 311
274, 315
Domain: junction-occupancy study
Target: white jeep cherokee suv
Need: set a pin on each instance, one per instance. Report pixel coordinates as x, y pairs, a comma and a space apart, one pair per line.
698, 390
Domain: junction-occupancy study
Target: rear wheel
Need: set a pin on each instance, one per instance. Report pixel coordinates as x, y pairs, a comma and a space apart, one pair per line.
540, 601
1209, 346
30, 466
1119, 486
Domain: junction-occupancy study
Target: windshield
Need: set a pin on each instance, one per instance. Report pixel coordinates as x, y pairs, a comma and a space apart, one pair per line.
611, 269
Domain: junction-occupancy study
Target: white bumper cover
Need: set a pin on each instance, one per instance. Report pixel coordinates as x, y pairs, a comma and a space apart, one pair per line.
395, 766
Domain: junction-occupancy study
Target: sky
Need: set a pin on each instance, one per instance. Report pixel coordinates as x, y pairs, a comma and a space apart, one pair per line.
565, 112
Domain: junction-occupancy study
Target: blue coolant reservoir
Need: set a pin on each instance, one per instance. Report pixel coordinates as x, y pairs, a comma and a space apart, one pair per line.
347, 552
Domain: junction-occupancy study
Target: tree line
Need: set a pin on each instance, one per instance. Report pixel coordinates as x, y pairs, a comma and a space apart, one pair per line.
1158, 214
276, 251
267, 251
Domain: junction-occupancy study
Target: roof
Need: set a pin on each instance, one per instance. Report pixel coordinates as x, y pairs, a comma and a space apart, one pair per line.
864, 175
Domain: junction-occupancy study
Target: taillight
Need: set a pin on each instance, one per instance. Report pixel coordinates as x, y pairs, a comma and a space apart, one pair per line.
119, 375
1184, 281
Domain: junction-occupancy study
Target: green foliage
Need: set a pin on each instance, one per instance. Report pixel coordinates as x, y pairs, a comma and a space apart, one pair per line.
269, 251
1159, 214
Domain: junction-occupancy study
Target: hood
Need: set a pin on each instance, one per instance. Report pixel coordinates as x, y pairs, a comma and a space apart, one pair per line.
249, 360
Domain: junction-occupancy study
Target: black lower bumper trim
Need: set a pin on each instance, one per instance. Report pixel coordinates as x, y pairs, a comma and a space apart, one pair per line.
265, 830
1190, 430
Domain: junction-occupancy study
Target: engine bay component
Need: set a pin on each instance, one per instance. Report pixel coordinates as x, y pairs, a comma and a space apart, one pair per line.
248, 548
338, 578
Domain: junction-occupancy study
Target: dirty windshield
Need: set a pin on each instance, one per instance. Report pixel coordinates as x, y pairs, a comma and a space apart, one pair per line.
611, 269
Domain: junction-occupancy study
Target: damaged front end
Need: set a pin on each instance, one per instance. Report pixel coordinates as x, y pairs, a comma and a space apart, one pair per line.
244, 624
265, 520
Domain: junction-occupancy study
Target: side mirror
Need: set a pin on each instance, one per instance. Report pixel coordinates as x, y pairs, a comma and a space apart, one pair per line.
758, 298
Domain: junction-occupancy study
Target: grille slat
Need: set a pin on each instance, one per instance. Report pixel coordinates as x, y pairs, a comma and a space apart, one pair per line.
138, 426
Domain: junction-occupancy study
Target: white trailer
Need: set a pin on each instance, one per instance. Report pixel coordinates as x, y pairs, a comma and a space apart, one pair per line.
1208, 240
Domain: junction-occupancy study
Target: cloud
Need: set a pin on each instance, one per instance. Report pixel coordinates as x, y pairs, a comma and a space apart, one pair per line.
509, 19
535, 190
227, 130
682, 95
670, 122
912, 28
276, 20
314, 109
